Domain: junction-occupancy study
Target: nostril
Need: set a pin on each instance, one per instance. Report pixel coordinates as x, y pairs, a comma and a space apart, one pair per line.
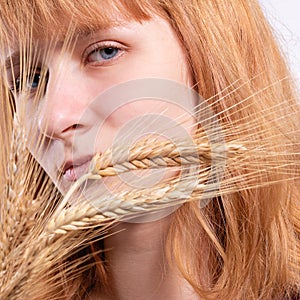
76, 126
73, 127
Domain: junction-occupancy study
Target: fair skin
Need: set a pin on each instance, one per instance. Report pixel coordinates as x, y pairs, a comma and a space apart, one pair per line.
64, 118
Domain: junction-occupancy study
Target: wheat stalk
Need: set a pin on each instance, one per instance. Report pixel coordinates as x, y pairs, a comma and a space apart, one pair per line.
174, 192
34, 232
69, 221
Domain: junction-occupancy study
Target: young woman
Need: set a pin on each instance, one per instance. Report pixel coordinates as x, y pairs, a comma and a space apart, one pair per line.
63, 63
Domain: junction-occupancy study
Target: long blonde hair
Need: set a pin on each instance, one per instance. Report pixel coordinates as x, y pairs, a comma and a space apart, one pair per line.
252, 232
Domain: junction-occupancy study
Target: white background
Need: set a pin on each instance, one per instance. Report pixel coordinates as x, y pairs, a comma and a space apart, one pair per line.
284, 17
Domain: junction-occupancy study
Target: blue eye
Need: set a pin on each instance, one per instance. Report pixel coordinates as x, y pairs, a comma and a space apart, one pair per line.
35, 80
103, 54
32, 82
108, 53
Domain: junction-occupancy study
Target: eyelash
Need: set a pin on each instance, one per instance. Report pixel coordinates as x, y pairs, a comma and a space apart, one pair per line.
97, 47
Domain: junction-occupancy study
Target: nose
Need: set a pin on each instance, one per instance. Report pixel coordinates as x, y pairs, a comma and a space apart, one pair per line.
65, 101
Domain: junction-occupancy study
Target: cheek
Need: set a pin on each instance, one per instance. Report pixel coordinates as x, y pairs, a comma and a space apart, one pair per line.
148, 65
134, 121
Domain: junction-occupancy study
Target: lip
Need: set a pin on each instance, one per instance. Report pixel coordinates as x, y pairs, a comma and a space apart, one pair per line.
71, 170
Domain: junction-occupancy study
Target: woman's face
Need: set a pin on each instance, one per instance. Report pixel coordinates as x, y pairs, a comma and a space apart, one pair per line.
76, 118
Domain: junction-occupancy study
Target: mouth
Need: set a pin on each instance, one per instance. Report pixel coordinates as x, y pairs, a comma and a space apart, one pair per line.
73, 170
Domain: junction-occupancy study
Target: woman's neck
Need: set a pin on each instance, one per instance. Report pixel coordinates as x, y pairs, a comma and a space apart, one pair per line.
138, 268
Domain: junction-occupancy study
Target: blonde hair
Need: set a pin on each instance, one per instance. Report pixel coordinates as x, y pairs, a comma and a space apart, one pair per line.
252, 233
